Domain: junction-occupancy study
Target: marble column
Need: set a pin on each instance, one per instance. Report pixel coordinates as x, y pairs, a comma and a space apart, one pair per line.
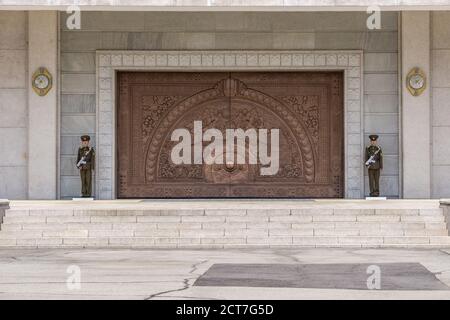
416, 111
42, 111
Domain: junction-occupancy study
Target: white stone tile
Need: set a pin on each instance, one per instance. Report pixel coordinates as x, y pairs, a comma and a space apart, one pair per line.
127, 60
441, 145
353, 127
13, 146
293, 40
380, 123
13, 182
354, 83
70, 186
353, 94
286, 59
78, 83
354, 60
105, 151
105, 185
354, 161
331, 59
207, 60
441, 29
105, 128
13, 66
13, 108
297, 59
218, 60
105, 173
440, 68
172, 60
353, 105
354, 72
67, 166
104, 72
241, 59
381, 41
116, 60
150, 60
105, 83
440, 181
78, 124
384, 103
380, 83
264, 60
161, 60
353, 116
275, 60
78, 62
104, 140
252, 59
380, 62
354, 172
353, 182
354, 138
230, 59
342, 60
196, 60
308, 60
105, 162
104, 60
13, 31
319, 60
199, 40
441, 106
139, 60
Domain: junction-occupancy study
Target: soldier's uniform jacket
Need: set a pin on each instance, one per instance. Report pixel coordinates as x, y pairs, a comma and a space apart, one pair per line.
90, 159
370, 150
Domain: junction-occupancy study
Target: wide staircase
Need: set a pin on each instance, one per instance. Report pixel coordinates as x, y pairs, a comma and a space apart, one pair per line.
225, 224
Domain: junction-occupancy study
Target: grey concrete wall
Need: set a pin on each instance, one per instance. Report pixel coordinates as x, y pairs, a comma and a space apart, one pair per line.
13, 105
440, 86
228, 30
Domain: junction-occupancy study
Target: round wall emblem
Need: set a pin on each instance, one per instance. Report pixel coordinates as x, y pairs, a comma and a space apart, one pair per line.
41, 81
416, 81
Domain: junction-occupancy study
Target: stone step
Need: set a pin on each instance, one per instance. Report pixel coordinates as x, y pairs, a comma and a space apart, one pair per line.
222, 212
248, 224
13, 226
9, 219
175, 232
155, 242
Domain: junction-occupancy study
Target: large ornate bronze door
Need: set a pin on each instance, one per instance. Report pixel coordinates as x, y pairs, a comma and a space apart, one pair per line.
305, 107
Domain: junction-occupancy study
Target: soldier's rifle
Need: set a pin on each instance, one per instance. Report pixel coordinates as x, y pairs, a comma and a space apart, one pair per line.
83, 159
371, 160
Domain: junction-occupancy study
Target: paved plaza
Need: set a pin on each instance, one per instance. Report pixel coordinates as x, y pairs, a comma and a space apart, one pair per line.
174, 274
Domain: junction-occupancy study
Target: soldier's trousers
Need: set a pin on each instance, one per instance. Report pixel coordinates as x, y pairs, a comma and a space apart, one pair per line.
86, 183
374, 182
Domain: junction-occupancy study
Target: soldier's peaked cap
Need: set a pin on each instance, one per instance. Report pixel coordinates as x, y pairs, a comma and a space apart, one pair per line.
85, 138
373, 137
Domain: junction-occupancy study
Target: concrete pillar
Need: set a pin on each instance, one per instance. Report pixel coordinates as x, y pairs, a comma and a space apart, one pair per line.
4, 205
415, 111
42, 111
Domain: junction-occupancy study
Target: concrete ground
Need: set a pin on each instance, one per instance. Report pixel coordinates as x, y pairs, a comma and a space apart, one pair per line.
170, 274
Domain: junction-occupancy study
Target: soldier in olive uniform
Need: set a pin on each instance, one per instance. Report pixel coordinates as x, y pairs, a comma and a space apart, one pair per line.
374, 162
86, 164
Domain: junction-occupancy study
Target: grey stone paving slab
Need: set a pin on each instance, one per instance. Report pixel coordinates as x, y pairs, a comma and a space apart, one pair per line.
393, 276
170, 274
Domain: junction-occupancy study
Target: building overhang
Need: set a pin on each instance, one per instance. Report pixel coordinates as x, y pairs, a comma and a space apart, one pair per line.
225, 5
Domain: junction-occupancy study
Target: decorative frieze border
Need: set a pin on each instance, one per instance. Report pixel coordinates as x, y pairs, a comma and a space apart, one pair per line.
108, 62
